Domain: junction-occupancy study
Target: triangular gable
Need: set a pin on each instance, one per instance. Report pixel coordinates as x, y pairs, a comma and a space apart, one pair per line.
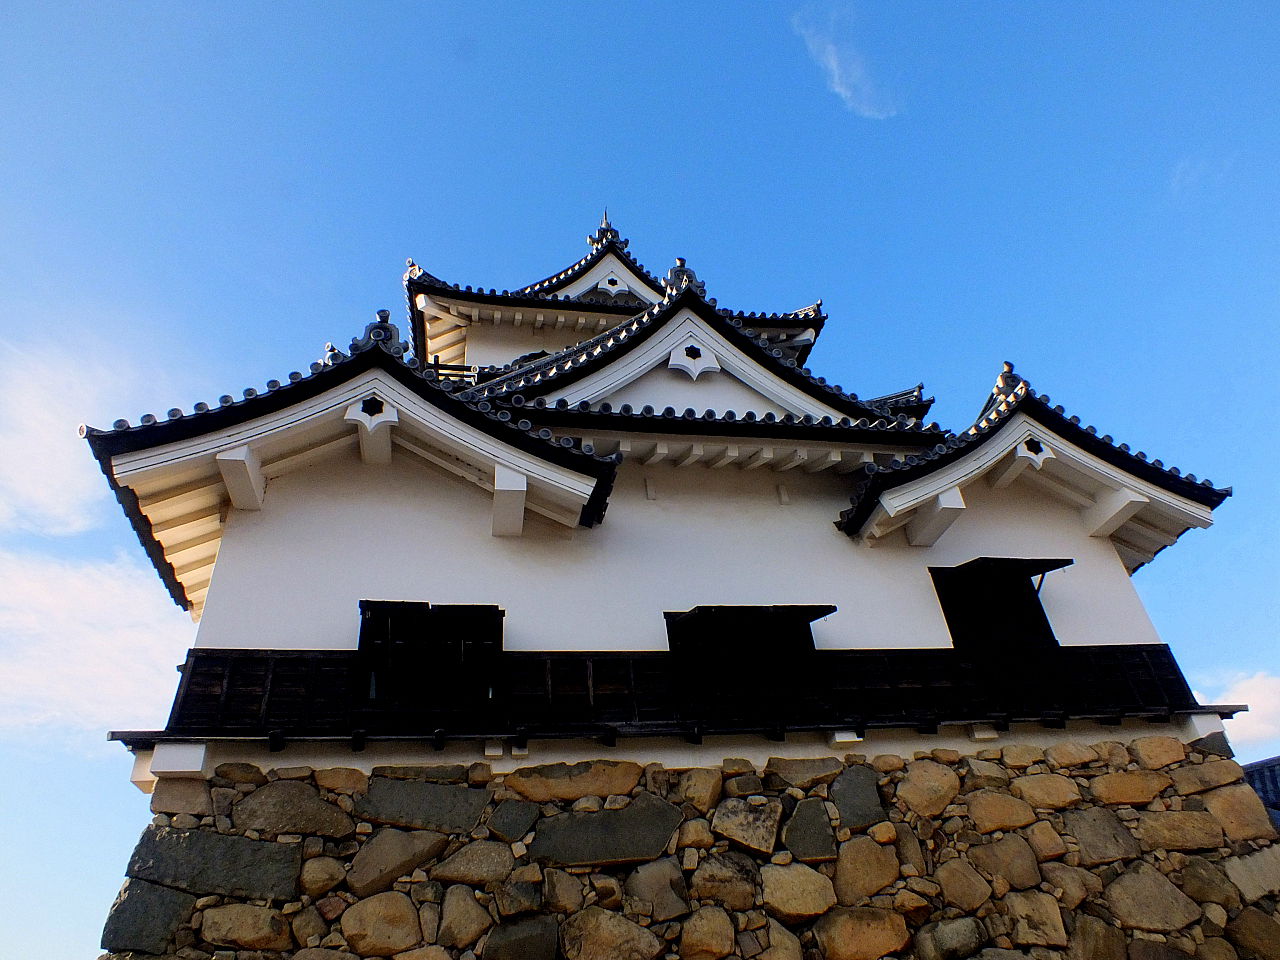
606, 362
176, 478
686, 364
608, 258
1138, 503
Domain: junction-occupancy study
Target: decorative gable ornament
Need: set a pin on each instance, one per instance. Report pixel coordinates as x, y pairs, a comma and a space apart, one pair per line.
694, 359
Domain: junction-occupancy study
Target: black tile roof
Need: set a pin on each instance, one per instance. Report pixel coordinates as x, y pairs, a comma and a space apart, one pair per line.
529, 380
379, 346
1012, 394
894, 432
546, 292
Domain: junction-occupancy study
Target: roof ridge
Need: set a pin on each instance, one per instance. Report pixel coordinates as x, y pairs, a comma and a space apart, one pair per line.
1009, 394
381, 334
682, 283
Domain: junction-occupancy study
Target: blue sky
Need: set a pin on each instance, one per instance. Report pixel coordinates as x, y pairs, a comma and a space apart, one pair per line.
194, 198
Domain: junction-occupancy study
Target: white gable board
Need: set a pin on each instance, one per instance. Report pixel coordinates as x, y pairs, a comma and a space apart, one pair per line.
709, 389
611, 275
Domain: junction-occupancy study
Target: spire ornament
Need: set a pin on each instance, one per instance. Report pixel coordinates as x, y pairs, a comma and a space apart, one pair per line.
605, 233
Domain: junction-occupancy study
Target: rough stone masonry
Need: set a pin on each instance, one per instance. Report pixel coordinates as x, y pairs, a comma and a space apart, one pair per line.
1140, 851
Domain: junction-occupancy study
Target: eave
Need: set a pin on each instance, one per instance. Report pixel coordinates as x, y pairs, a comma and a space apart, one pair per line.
556, 372
1138, 503
176, 479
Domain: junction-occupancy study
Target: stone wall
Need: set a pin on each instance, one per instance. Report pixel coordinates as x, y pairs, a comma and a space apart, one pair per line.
1144, 851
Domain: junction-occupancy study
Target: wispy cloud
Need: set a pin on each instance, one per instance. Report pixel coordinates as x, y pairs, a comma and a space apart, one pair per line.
1197, 170
49, 482
827, 32
86, 645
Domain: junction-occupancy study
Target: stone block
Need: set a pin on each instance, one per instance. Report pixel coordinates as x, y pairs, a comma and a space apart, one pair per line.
182, 795
1069, 754
449, 808
783, 944
1046, 791
563, 781
700, 787
308, 923
1045, 841
950, 939
928, 787
1010, 857
1154, 950
240, 773
860, 933
857, 796
728, 878
1241, 813
637, 832
707, 935
1142, 898
1134, 787
1199, 777
512, 819
795, 892
1037, 921
1153, 753
381, 925
242, 925
518, 896
980, 774
320, 875
201, 862
1204, 882
1103, 838
754, 826
804, 774
342, 780
1255, 875
991, 811
291, 806
1075, 883
1019, 756
561, 892
1180, 830
863, 869
1095, 939
962, 886
807, 834
144, 917
1255, 933
388, 855
534, 938
662, 884
477, 863
598, 934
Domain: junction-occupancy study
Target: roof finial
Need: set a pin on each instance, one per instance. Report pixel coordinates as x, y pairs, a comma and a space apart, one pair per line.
606, 234
681, 276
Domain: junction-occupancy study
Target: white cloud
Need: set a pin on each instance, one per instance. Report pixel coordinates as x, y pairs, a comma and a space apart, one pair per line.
1261, 691
825, 34
86, 645
1200, 169
48, 481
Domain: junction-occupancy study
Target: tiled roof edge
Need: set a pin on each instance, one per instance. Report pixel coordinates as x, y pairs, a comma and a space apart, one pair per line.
1010, 395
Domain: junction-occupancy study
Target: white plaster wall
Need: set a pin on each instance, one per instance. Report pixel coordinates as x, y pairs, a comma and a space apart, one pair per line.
290, 575
713, 390
489, 345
